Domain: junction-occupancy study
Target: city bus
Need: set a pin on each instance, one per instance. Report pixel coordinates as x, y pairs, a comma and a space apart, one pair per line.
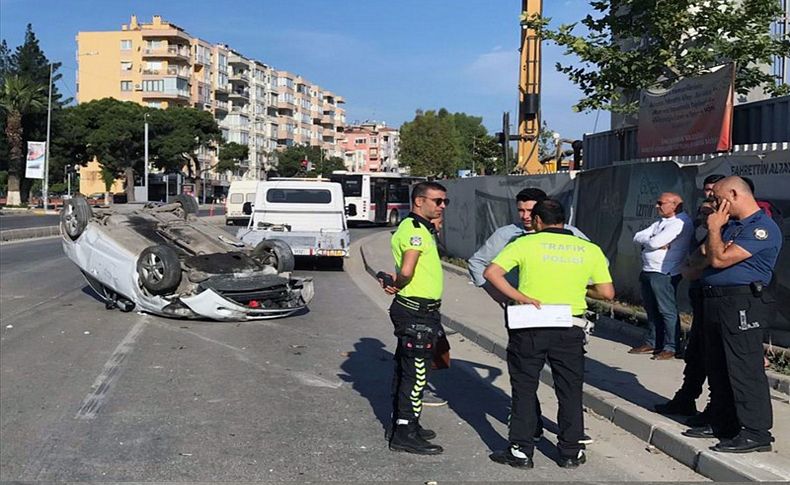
377, 197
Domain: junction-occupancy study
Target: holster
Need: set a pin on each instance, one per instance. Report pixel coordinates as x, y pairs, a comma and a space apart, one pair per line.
418, 340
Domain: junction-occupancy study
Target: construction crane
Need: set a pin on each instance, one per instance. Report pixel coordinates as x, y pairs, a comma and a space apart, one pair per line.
529, 93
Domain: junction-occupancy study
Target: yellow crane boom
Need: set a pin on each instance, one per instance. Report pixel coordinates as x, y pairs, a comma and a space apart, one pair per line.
529, 93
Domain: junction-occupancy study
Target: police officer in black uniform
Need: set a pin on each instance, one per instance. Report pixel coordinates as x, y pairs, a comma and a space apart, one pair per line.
742, 248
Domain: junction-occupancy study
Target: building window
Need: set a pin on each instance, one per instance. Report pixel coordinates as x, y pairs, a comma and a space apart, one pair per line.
374, 141
126, 85
126, 66
126, 44
359, 141
154, 85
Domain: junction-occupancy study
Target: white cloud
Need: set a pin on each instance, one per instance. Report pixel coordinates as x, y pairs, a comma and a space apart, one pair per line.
494, 73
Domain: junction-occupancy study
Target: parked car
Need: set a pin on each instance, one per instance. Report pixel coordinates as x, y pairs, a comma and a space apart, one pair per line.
163, 260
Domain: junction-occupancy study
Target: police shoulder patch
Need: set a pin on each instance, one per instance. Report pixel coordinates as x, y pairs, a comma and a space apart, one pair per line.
415, 241
760, 234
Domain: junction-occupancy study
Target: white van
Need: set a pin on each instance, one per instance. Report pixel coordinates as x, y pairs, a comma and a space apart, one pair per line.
240, 191
307, 215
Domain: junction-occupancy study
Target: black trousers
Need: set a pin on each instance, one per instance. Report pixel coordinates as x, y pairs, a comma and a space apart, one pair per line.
694, 374
412, 367
527, 352
740, 397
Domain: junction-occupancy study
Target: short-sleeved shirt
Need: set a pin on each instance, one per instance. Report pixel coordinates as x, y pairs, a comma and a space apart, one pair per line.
555, 267
415, 233
760, 236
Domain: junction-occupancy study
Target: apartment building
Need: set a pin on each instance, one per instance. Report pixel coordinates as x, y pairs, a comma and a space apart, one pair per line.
370, 147
159, 64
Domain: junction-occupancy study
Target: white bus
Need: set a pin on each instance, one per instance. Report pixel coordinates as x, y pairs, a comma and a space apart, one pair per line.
378, 197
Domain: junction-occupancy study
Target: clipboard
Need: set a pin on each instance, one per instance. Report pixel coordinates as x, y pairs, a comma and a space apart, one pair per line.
548, 316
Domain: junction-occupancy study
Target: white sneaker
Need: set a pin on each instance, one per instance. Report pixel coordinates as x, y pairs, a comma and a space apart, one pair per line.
430, 399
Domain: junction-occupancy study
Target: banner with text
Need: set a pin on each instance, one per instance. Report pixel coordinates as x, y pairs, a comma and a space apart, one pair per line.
692, 117
35, 159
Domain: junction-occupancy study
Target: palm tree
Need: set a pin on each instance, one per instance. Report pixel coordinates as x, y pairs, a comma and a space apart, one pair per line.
18, 97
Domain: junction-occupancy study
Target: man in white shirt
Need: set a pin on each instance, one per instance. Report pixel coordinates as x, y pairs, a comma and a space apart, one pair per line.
665, 246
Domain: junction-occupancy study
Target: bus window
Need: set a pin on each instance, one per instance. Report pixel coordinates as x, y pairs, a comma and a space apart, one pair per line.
352, 184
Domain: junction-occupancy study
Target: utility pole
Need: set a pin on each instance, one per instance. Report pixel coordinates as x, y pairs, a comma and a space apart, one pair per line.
145, 156
45, 191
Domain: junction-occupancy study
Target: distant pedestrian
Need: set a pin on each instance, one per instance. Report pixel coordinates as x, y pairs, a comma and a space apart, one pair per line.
555, 268
665, 246
742, 249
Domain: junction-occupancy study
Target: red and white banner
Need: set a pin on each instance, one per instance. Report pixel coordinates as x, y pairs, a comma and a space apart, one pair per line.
692, 117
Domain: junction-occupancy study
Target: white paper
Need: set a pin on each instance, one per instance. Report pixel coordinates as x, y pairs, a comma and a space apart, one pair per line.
528, 316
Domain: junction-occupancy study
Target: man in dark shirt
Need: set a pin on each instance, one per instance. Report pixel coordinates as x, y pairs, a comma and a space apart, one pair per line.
742, 248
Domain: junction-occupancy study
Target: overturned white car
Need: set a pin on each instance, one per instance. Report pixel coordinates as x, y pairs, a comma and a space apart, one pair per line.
164, 260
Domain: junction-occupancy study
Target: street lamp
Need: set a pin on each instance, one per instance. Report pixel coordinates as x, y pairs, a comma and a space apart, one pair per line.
145, 156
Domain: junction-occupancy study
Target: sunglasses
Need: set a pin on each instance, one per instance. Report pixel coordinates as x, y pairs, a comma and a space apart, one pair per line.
438, 200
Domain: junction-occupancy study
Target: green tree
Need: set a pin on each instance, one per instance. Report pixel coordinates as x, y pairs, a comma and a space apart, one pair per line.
176, 135
325, 166
29, 61
230, 155
18, 98
429, 144
289, 161
631, 45
113, 133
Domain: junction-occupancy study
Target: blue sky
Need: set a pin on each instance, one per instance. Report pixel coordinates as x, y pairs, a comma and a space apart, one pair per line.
387, 58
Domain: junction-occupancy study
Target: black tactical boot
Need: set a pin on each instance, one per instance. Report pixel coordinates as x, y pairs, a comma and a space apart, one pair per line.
407, 438
426, 434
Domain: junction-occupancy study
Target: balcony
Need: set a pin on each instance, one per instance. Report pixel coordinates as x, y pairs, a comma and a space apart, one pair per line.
203, 60
165, 34
239, 77
285, 104
170, 52
239, 94
237, 59
221, 105
222, 88
167, 95
176, 71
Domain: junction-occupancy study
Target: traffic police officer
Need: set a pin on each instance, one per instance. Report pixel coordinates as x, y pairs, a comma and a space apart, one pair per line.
742, 248
414, 312
555, 267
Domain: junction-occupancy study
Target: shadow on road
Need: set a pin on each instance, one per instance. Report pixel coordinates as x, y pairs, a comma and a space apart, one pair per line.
467, 386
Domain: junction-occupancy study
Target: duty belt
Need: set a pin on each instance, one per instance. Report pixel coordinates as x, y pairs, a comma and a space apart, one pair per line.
418, 304
718, 291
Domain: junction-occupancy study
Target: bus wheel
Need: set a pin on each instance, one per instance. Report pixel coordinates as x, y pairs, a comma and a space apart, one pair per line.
394, 218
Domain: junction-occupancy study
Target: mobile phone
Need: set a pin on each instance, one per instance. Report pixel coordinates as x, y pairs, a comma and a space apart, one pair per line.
386, 278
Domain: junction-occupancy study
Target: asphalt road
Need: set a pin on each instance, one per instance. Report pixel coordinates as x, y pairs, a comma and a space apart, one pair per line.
90, 394
24, 220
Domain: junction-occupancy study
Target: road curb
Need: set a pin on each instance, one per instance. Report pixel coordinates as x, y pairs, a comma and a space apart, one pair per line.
29, 233
9, 235
628, 417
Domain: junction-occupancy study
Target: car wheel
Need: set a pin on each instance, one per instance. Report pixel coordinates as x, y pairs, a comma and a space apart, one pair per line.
188, 204
275, 253
394, 218
159, 269
74, 216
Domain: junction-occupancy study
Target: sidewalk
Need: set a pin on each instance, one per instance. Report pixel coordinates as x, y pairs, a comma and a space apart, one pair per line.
618, 386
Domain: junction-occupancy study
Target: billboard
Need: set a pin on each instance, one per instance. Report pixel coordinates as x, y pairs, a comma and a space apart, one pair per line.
36, 151
694, 116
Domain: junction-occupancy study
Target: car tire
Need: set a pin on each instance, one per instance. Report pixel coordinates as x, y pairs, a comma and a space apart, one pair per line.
159, 269
394, 218
276, 253
74, 217
188, 204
